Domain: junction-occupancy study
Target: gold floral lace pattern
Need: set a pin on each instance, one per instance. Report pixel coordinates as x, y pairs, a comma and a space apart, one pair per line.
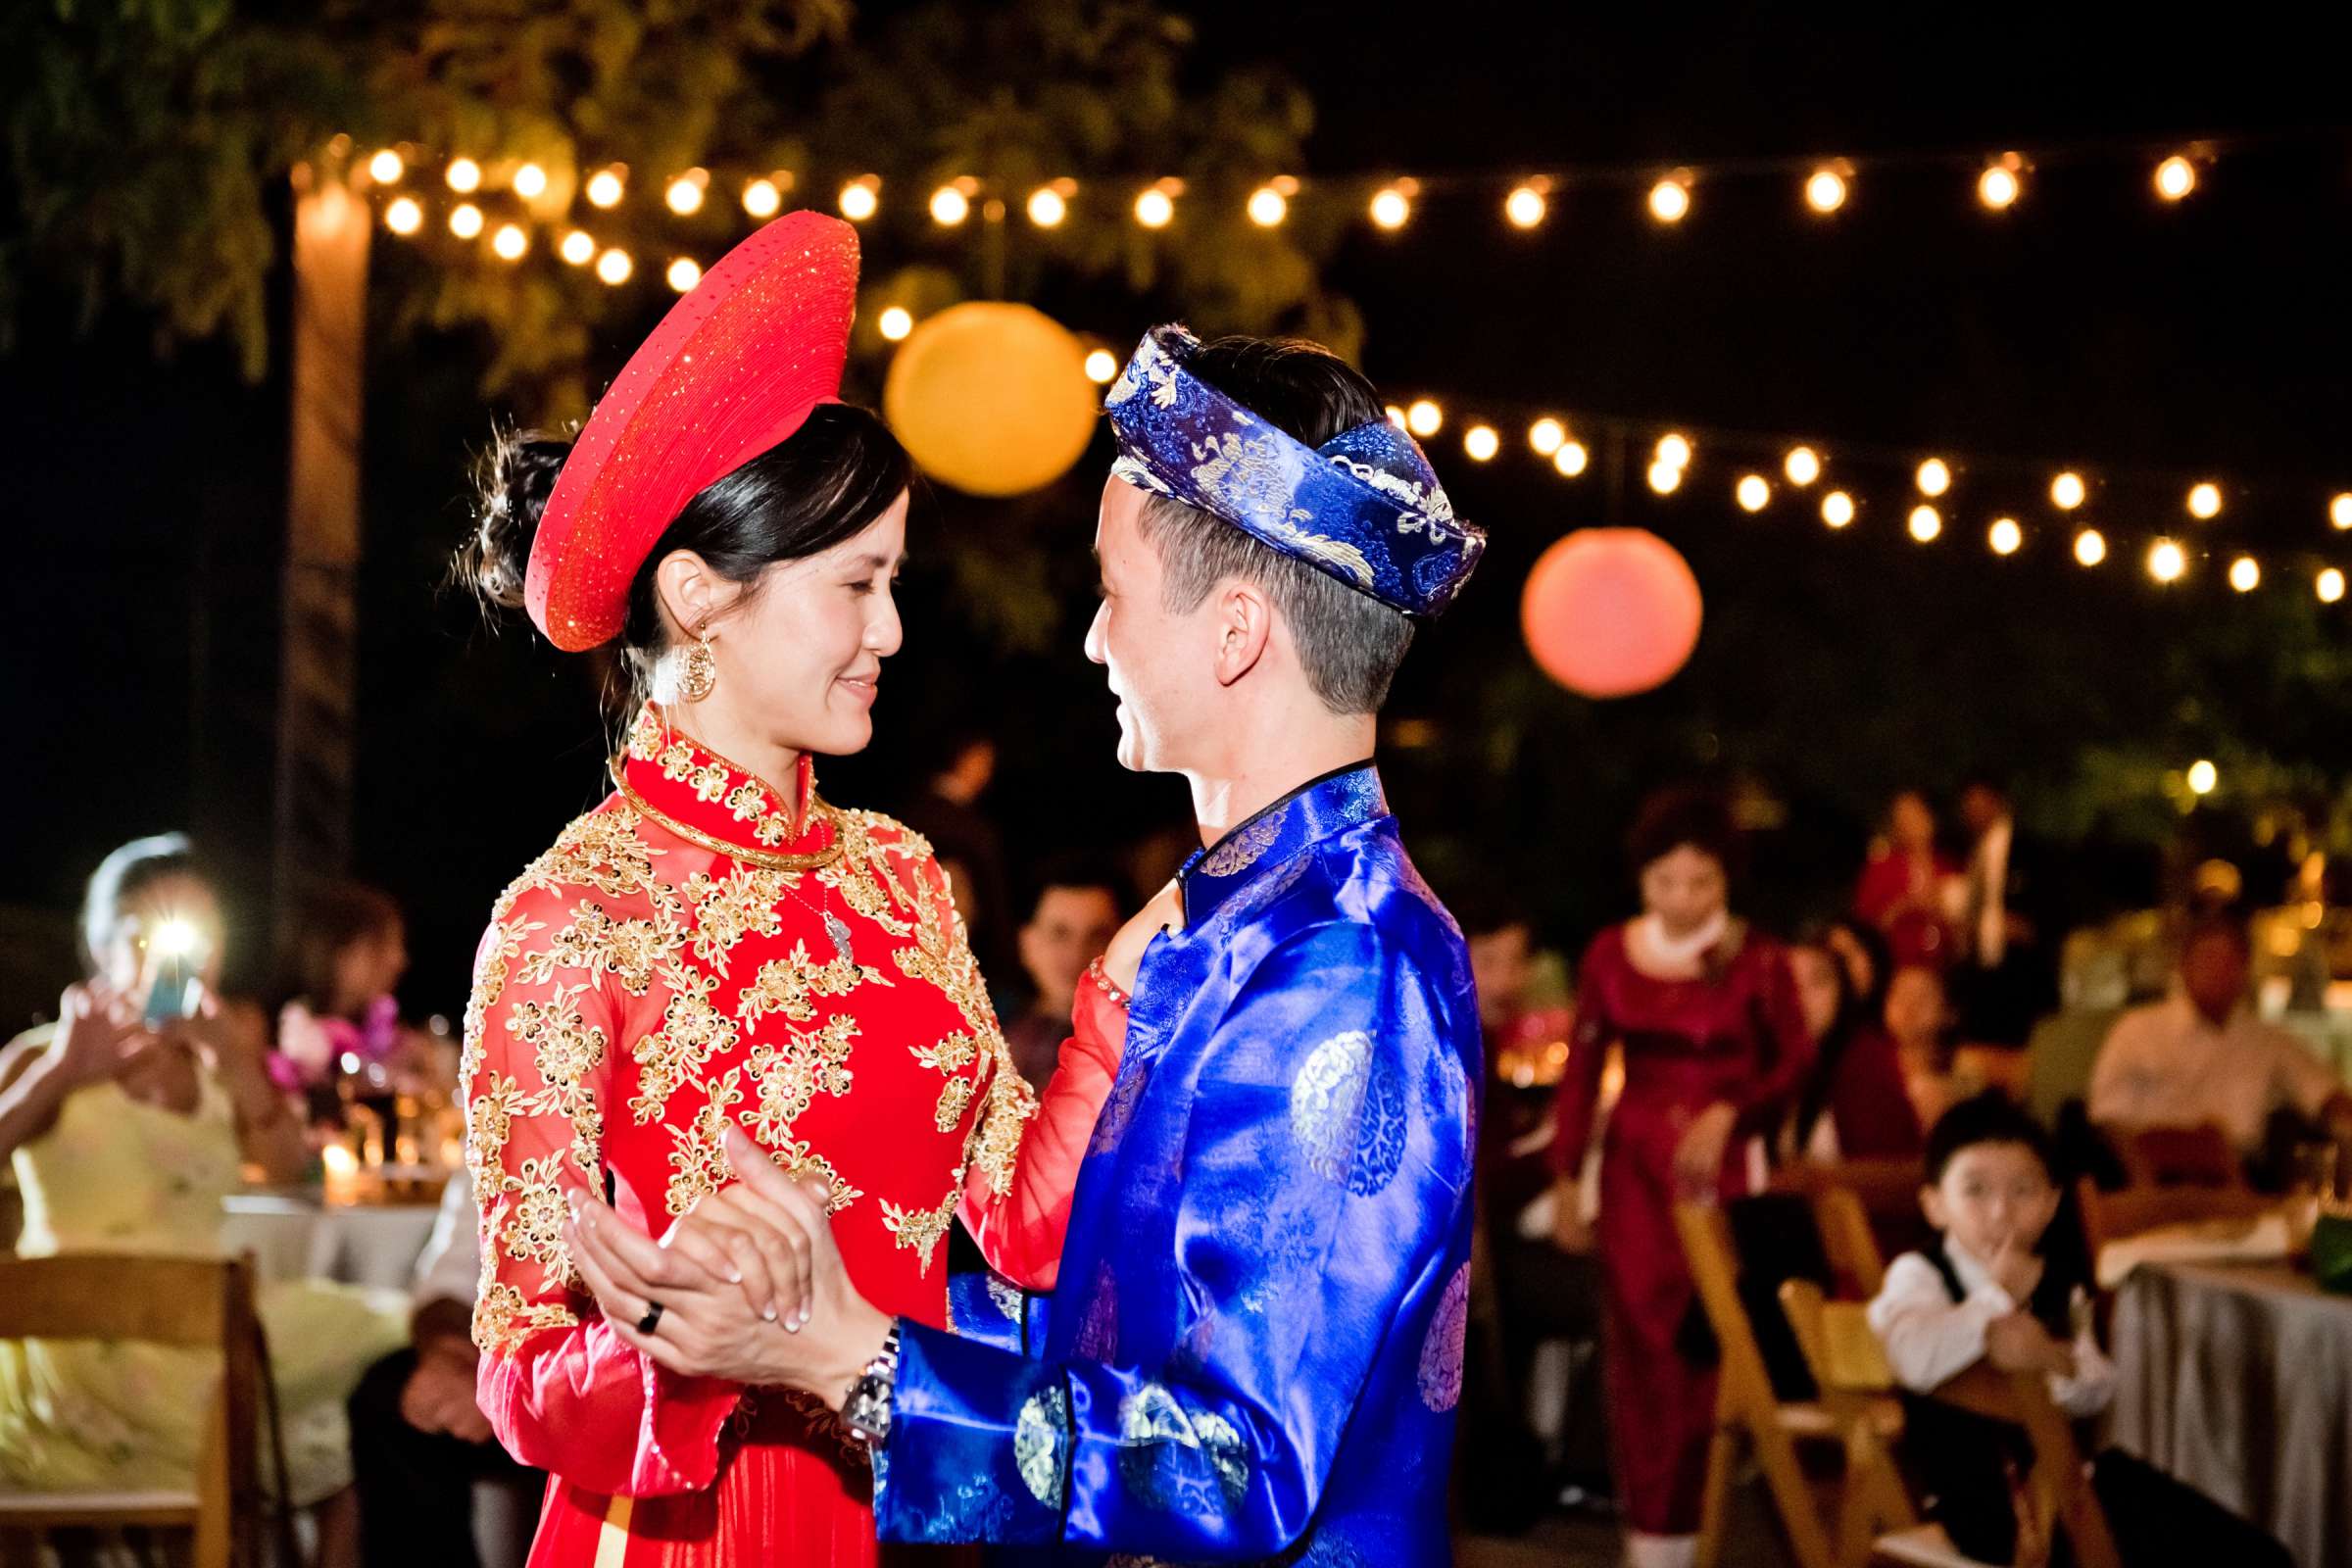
785, 985
693, 1031
503, 1318
698, 1160
921, 1228
792, 1074
728, 909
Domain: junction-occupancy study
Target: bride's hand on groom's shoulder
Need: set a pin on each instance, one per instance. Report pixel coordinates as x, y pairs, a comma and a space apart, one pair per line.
1124, 958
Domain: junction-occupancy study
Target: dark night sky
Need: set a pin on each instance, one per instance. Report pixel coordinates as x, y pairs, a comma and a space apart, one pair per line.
2090, 324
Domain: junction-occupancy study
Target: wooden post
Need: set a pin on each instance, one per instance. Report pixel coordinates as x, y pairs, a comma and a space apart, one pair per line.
320, 638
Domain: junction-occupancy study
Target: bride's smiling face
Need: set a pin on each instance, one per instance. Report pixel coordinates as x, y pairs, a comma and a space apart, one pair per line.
799, 648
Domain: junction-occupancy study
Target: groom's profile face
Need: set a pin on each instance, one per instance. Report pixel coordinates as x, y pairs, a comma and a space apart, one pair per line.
1142, 648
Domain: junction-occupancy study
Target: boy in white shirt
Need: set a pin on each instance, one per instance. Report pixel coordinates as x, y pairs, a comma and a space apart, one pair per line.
1983, 1291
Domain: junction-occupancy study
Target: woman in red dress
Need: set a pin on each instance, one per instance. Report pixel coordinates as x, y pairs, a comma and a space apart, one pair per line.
1714, 1042
1908, 884
717, 946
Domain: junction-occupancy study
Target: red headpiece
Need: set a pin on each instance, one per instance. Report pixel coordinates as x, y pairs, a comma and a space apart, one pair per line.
734, 369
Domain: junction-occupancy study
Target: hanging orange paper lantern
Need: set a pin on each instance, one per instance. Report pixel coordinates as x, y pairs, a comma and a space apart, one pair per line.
1611, 611
992, 398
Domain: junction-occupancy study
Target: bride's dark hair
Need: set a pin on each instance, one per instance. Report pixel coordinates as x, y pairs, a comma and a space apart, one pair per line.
822, 484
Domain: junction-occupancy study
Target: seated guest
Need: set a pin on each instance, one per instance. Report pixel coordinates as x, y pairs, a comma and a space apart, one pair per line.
1981, 1291
1919, 1020
1078, 908
1853, 1103
127, 1120
350, 950
2201, 1055
418, 1443
1909, 888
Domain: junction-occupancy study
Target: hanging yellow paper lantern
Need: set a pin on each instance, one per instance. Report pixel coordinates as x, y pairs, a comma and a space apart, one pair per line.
992, 398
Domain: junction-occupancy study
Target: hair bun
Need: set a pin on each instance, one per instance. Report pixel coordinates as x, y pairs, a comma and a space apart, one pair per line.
512, 485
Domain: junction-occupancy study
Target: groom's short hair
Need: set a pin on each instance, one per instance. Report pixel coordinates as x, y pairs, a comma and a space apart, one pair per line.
1348, 641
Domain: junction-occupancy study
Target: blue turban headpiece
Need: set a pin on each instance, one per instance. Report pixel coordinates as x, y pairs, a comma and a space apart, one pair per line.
1364, 507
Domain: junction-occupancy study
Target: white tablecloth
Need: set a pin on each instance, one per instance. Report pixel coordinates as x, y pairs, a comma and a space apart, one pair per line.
296, 1237
2239, 1380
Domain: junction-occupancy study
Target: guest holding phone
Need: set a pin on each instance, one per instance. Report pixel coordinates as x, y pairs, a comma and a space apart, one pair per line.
126, 1121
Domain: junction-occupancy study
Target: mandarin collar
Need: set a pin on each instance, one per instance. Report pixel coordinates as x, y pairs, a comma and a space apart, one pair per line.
694, 787
1333, 803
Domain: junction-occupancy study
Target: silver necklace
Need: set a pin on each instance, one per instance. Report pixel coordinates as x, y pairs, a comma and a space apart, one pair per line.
837, 930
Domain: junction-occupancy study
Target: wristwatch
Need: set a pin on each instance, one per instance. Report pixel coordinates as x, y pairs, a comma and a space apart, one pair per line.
867, 1408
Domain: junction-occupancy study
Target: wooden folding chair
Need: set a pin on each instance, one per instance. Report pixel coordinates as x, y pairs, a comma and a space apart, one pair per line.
192, 1303
2113, 1217
1749, 1414
1883, 1193
1877, 1522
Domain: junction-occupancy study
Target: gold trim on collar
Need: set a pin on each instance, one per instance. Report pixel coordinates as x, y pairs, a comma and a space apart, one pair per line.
749, 854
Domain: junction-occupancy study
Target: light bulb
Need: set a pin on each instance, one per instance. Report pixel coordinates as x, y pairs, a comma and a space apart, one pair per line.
2175, 177
578, 248
1752, 492
684, 272
1926, 523
762, 199
1424, 418
1935, 477
1670, 199
1391, 208
1998, 187
896, 322
1524, 206
603, 188
464, 175
685, 193
509, 242
1546, 436
1837, 509
1672, 450
2166, 561
2245, 574
1268, 207
1664, 477
859, 201
1481, 442
1047, 207
1572, 458
1101, 367
2203, 777
386, 167
465, 220
529, 182
2067, 491
2205, 501
614, 267
405, 216
1153, 208
2005, 536
1825, 191
949, 207
1802, 465
2091, 547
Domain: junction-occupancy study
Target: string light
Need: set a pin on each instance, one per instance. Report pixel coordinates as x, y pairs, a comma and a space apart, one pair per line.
2205, 502
2091, 547
1047, 207
605, 187
2331, 586
614, 267
1153, 208
1391, 208
1101, 365
1268, 207
464, 175
1926, 525
1825, 190
405, 216
1935, 477
685, 193
1674, 450
2339, 511
2203, 777
1999, 186
860, 199
1524, 206
684, 272
2245, 574
578, 248
1395, 416
2005, 536
2166, 561
529, 182
896, 322
1482, 442
386, 167
762, 199
949, 207
1752, 492
465, 220
1670, 199
1665, 478
2067, 492
509, 242
1572, 458
1546, 436
1837, 509
2175, 177
1802, 465
1424, 418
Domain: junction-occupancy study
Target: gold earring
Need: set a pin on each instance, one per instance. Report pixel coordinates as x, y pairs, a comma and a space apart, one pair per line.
698, 674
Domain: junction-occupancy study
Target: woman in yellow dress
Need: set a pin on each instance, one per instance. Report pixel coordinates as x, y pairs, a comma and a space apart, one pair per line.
126, 1136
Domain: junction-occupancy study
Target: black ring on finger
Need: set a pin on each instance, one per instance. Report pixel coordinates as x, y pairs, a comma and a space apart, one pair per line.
652, 1320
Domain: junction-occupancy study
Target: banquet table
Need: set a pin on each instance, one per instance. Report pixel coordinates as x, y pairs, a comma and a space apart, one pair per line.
297, 1234
2237, 1379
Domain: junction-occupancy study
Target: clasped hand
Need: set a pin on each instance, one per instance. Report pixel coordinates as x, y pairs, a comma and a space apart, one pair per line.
750, 1283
